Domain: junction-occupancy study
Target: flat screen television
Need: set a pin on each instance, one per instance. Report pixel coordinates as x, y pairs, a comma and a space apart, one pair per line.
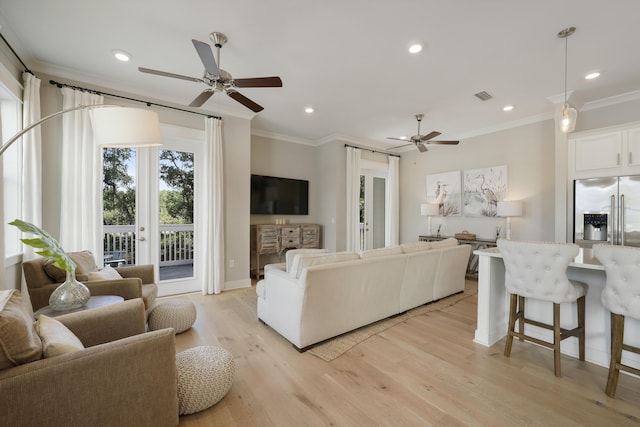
271, 195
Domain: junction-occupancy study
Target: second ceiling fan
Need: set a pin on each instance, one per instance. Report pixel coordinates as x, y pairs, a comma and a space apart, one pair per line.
420, 141
218, 79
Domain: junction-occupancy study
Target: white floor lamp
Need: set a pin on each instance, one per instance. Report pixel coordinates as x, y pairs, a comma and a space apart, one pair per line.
509, 209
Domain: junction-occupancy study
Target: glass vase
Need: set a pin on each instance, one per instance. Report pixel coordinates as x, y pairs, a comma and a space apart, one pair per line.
69, 295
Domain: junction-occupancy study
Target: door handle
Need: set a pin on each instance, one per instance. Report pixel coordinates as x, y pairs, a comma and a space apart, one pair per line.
142, 239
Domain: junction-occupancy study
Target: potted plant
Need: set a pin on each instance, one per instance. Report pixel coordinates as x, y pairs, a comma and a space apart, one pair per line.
70, 294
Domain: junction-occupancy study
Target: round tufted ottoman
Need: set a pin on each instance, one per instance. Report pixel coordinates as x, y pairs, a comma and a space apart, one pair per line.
178, 314
205, 375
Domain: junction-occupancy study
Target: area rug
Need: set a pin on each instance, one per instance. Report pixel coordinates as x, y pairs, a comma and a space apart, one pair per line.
335, 347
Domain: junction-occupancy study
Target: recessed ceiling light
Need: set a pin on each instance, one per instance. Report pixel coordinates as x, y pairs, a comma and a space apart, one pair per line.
415, 47
309, 110
507, 108
592, 75
121, 55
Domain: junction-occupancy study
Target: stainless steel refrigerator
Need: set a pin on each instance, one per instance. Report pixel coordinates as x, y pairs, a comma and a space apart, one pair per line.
607, 210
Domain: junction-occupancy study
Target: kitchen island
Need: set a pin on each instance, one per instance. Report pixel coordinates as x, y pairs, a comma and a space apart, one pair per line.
493, 309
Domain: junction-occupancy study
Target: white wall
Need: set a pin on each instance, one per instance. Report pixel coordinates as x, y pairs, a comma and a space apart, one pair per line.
528, 153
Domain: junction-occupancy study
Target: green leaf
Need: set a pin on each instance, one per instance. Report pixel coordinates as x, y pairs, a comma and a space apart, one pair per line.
51, 247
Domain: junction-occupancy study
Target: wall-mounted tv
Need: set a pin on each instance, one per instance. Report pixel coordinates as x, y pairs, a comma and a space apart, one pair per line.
271, 195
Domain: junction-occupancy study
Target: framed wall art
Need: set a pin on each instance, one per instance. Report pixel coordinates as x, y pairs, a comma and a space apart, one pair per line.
483, 188
445, 190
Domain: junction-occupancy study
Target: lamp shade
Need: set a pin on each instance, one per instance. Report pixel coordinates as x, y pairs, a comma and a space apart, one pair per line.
125, 127
429, 209
509, 208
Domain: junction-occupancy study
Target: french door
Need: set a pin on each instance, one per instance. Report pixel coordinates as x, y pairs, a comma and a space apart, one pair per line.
154, 216
372, 208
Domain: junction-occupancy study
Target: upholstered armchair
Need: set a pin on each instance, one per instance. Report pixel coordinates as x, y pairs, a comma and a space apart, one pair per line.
122, 377
137, 281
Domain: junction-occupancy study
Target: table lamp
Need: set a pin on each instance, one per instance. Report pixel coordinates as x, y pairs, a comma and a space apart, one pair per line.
429, 210
509, 209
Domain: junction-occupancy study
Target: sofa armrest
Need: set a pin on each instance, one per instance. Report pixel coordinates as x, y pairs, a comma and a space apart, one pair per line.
144, 272
108, 323
129, 382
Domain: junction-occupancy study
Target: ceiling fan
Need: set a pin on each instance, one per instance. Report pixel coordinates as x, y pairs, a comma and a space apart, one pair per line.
218, 79
420, 140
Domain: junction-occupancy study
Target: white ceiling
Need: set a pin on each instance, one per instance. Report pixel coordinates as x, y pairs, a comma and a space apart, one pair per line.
346, 58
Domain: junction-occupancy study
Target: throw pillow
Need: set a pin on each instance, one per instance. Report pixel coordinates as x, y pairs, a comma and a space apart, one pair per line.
85, 263
56, 338
446, 243
373, 253
19, 342
293, 252
107, 273
308, 260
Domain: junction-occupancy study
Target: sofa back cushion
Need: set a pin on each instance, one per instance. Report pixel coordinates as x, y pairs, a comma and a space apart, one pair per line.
302, 261
19, 341
374, 253
85, 263
412, 247
290, 255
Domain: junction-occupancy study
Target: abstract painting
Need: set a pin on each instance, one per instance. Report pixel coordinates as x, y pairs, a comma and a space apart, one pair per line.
483, 188
444, 189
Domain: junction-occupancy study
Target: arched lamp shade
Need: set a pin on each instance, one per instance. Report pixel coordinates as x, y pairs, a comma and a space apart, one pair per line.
125, 127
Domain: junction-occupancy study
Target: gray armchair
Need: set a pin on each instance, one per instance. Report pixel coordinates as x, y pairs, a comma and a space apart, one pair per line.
42, 279
123, 376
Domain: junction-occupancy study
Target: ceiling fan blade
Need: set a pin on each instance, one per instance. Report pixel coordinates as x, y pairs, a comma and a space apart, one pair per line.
245, 101
444, 142
421, 147
400, 146
165, 74
429, 136
206, 56
201, 99
258, 82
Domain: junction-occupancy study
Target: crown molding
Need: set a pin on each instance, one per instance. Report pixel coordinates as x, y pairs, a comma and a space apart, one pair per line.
281, 137
612, 100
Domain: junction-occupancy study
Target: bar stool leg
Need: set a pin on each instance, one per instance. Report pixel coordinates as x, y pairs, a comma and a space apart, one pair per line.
617, 336
521, 316
513, 305
581, 325
556, 339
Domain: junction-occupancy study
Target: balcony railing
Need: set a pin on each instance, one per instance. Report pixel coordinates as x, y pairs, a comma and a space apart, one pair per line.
176, 244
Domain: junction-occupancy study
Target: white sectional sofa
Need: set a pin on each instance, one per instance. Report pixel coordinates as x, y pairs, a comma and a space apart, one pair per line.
316, 296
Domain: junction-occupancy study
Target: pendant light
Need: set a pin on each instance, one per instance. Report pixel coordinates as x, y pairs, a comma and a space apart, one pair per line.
568, 116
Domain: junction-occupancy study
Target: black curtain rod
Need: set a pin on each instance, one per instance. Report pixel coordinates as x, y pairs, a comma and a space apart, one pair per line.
373, 151
16, 55
149, 104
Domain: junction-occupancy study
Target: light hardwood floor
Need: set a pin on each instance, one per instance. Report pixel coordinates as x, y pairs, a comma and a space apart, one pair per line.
422, 372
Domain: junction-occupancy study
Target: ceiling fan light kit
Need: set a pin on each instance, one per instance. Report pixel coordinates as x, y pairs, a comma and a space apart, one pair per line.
218, 79
568, 115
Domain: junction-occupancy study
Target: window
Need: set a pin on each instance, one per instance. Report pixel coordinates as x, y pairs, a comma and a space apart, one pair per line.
10, 118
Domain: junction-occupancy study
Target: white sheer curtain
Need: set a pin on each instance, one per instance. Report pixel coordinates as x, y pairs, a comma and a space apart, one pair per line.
81, 177
31, 209
353, 198
213, 235
392, 202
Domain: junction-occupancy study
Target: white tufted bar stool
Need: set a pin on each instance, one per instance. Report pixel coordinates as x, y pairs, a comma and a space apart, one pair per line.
621, 296
538, 270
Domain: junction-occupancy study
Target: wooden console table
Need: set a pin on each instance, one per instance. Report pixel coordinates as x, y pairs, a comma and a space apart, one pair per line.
476, 244
275, 239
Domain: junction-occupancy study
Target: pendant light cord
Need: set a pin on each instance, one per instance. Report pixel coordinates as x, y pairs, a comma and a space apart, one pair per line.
566, 48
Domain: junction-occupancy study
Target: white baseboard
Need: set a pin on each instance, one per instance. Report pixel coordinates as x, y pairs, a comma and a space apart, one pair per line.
237, 284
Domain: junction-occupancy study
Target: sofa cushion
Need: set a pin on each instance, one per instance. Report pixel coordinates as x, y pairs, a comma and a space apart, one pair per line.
293, 252
302, 261
107, 273
373, 253
85, 263
446, 243
56, 338
19, 341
